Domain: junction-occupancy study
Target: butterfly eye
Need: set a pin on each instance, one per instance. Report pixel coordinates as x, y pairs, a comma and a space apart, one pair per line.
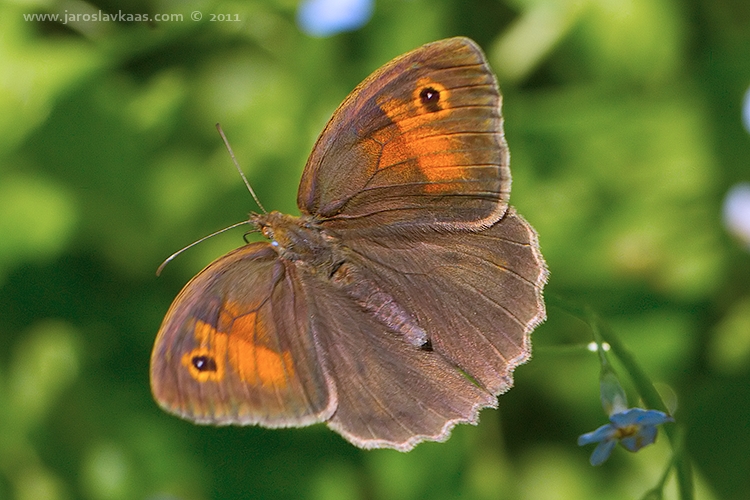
204, 363
430, 97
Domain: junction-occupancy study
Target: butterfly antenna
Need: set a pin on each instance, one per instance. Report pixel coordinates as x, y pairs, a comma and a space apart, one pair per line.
242, 174
178, 252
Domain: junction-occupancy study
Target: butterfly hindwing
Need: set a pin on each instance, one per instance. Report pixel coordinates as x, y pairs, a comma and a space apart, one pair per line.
390, 393
477, 295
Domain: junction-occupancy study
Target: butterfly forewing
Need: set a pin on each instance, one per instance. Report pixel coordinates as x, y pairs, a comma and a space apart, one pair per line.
236, 346
419, 142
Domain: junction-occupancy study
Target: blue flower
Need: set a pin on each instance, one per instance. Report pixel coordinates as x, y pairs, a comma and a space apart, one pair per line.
634, 428
737, 206
323, 18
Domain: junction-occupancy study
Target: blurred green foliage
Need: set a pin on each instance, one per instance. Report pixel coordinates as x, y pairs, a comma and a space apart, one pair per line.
624, 122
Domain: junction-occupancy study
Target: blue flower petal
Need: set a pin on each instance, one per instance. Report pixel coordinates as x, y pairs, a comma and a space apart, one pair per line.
639, 416
644, 437
602, 452
324, 18
605, 432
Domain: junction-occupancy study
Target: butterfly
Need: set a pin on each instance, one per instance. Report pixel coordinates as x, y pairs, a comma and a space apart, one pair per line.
400, 301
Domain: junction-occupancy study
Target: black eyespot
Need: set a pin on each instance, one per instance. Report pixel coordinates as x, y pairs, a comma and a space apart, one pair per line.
429, 94
430, 98
204, 363
427, 346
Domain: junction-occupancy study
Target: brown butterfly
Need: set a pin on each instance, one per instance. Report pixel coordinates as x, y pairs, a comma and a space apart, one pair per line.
400, 301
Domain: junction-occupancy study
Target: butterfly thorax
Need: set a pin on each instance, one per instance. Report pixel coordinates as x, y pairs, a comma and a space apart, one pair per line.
296, 238
320, 254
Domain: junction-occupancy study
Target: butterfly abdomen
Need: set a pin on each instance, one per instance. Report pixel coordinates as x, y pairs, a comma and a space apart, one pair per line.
366, 293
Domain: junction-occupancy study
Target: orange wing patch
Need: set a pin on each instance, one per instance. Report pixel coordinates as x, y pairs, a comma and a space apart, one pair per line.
416, 138
255, 363
238, 340
206, 362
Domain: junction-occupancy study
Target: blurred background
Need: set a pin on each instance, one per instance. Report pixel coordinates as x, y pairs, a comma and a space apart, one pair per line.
629, 156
